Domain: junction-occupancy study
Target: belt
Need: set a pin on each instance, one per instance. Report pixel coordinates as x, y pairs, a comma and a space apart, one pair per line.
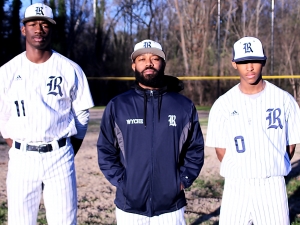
41, 148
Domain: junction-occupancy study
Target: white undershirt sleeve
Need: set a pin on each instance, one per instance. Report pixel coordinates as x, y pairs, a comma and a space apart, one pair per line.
81, 123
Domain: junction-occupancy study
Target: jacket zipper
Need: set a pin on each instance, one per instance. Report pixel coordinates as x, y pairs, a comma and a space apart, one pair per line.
152, 136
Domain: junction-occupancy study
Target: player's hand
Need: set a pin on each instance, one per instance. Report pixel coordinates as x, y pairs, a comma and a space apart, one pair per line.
9, 142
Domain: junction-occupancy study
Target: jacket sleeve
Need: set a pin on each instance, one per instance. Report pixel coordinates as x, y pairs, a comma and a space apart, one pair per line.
192, 155
109, 154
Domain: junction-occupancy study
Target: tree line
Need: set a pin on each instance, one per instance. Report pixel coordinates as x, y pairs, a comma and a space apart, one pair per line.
197, 36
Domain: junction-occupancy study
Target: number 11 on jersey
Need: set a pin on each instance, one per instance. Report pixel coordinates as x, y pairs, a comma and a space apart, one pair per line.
18, 107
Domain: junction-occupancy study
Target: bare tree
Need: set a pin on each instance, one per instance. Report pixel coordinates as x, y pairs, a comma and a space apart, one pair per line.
289, 33
182, 37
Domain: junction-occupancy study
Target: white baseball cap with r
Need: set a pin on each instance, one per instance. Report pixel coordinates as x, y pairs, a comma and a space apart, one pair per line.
148, 46
248, 48
38, 11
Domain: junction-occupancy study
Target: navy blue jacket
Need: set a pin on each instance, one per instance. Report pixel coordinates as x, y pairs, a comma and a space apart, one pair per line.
149, 143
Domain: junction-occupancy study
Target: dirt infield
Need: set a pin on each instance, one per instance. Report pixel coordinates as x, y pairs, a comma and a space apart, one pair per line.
96, 194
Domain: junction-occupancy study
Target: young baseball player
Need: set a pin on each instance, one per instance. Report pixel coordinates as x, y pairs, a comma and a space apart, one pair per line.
44, 102
254, 128
150, 144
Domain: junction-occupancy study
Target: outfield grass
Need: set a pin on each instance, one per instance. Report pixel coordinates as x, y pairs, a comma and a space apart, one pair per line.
203, 108
98, 107
296, 222
203, 122
3, 212
293, 187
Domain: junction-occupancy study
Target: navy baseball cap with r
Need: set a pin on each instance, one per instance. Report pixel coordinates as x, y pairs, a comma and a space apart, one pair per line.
248, 48
147, 46
38, 11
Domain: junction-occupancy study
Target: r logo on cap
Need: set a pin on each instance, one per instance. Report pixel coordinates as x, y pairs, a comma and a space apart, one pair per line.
247, 47
147, 44
39, 11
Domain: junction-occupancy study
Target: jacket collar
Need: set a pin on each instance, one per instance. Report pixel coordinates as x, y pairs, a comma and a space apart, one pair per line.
173, 84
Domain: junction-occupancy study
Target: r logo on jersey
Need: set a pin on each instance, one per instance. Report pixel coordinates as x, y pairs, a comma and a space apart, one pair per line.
39, 11
247, 47
172, 121
273, 117
54, 86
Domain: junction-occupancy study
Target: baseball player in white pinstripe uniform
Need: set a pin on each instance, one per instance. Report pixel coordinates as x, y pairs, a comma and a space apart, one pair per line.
44, 112
254, 128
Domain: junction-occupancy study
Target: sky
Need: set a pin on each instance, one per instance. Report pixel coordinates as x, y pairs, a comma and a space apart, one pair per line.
25, 4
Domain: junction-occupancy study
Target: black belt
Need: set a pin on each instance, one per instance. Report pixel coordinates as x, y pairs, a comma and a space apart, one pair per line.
41, 148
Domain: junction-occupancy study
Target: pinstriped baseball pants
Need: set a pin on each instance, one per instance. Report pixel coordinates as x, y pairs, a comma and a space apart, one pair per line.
172, 218
259, 201
27, 170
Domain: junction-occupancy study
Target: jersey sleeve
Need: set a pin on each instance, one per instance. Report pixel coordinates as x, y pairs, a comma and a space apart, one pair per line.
4, 106
293, 121
81, 95
216, 129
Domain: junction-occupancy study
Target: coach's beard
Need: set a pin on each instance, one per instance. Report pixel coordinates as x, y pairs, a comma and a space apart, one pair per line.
155, 80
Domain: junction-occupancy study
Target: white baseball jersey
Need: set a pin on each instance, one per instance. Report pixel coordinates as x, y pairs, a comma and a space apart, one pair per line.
254, 130
36, 99
38, 103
